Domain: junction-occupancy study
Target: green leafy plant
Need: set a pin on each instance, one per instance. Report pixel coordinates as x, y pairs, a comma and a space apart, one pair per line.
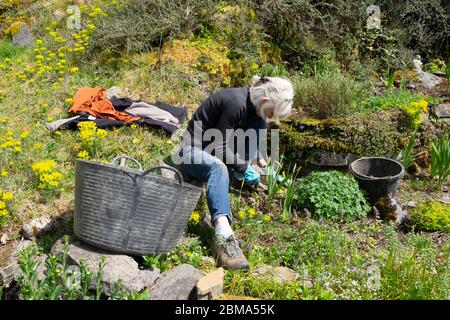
332, 195
274, 179
60, 281
440, 159
435, 65
447, 72
431, 216
389, 81
406, 155
189, 251
289, 196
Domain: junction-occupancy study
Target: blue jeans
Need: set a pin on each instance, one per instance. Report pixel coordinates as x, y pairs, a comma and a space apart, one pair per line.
215, 173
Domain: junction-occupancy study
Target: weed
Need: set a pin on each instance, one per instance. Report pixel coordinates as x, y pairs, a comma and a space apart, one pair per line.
406, 155
331, 195
440, 160
389, 81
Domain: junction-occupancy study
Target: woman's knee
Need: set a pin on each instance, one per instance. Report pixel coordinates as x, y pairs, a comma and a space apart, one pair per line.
219, 169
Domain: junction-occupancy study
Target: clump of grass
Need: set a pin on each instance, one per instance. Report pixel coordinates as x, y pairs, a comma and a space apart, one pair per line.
328, 94
440, 160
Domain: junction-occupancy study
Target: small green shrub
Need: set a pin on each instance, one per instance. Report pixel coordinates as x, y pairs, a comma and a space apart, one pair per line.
332, 195
329, 94
435, 65
431, 216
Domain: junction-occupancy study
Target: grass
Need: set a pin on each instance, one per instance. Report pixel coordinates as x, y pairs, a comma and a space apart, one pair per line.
339, 261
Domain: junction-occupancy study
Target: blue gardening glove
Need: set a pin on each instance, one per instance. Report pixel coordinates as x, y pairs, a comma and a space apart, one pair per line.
250, 176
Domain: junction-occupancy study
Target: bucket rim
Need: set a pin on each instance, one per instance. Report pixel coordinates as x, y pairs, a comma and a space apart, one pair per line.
386, 178
135, 171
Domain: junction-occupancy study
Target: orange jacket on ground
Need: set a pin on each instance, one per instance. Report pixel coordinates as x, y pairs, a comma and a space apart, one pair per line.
95, 102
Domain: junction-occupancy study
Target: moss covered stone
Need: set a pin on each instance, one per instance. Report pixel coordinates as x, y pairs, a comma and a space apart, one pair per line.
360, 134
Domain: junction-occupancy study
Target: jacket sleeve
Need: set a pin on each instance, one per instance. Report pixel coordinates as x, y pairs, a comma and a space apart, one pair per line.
229, 117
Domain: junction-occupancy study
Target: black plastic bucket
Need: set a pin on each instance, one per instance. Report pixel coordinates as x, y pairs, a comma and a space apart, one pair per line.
377, 176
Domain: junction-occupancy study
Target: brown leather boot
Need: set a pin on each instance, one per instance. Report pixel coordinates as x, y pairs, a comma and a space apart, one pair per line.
229, 254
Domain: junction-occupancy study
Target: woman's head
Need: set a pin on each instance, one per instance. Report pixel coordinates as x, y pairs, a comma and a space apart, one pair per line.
273, 97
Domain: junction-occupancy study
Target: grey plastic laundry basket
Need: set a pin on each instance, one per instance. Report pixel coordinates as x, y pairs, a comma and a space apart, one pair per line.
128, 210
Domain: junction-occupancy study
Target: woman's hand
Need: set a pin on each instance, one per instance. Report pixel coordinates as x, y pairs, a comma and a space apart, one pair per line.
262, 163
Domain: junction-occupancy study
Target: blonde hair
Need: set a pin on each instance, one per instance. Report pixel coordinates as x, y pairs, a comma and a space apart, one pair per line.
278, 90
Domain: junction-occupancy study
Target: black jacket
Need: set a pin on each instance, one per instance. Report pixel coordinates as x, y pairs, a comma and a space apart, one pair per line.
227, 109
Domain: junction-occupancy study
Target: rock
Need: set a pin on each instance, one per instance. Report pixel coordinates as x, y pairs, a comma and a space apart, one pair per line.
23, 37
387, 208
278, 274
116, 267
251, 201
207, 261
283, 274
41, 271
429, 80
442, 110
412, 204
410, 86
211, 285
330, 159
440, 74
121, 93
36, 227
3, 239
180, 283
59, 14
12, 269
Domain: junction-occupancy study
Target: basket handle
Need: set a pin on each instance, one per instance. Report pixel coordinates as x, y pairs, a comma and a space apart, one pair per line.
123, 159
180, 177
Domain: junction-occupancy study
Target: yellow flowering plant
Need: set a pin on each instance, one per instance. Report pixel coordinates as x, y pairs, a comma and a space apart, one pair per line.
91, 138
6, 198
193, 226
48, 179
414, 112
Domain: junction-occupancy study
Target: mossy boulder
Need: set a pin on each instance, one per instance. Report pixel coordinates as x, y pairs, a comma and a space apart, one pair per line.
360, 134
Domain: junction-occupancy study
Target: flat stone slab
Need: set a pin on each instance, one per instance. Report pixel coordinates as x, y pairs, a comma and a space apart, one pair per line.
117, 266
179, 283
442, 110
278, 274
211, 285
429, 80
